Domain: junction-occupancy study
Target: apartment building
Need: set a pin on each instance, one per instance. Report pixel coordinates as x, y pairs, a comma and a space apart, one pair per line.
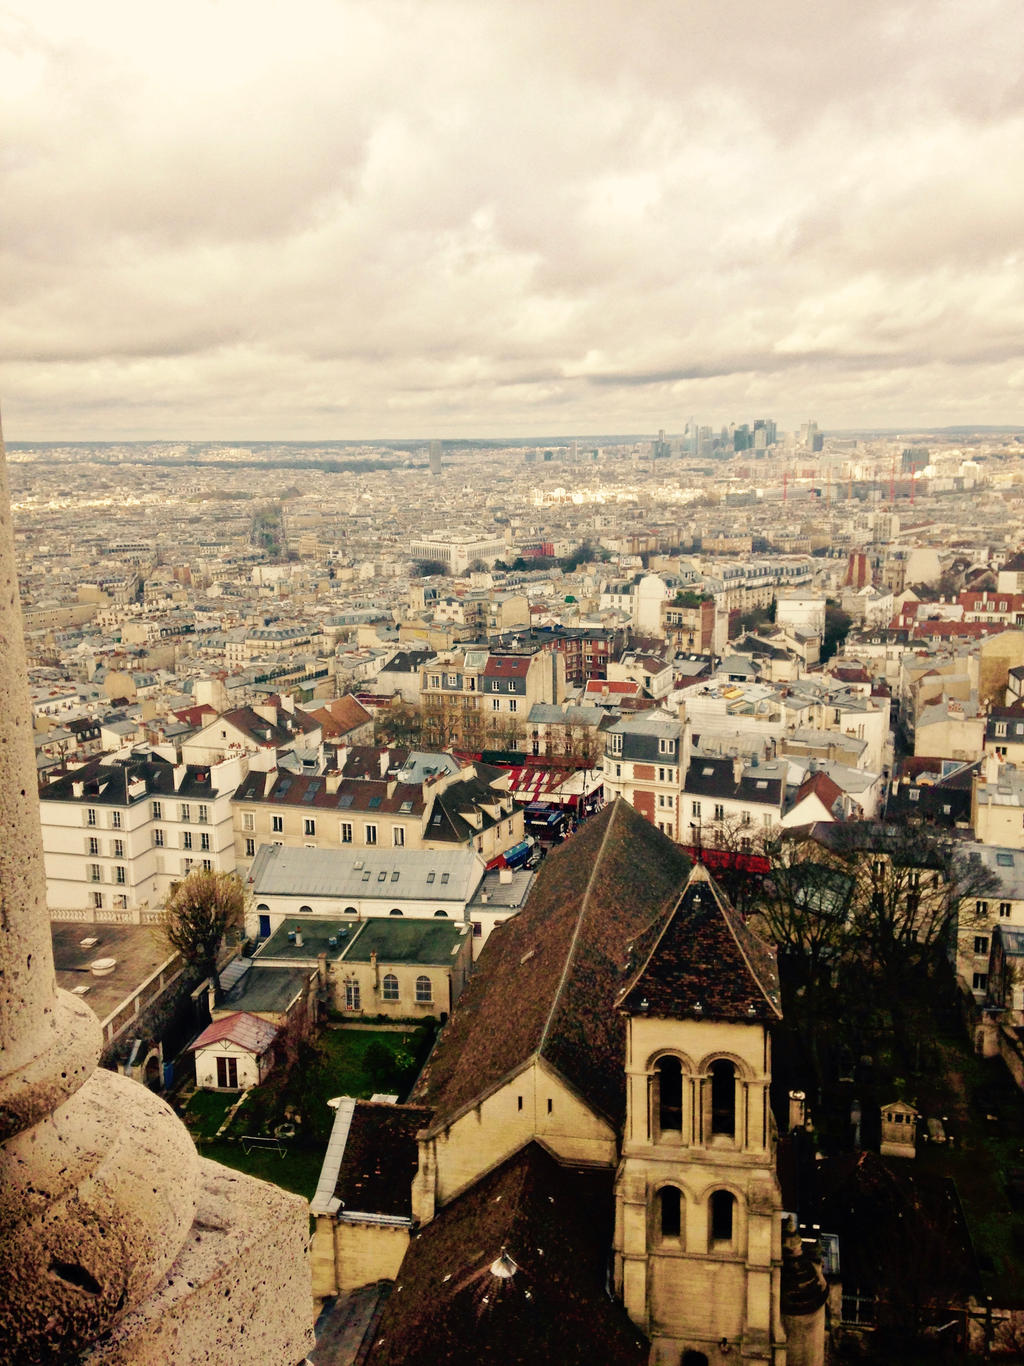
451, 806
979, 916
117, 835
727, 801
260, 731
645, 757
482, 698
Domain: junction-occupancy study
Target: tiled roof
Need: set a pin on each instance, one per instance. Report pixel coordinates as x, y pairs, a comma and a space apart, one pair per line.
705, 963
823, 788
507, 666
352, 794
547, 978
380, 1158
341, 715
512, 1272
247, 1031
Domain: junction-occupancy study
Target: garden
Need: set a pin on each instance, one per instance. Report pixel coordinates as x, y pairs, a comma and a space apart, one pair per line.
278, 1131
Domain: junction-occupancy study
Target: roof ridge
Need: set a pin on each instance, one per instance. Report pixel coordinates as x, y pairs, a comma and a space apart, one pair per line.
728, 912
668, 918
569, 957
699, 873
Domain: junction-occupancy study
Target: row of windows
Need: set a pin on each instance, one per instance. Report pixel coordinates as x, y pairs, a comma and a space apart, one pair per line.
424, 991
721, 1217
116, 847
120, 902
351, 910
95, 873
668, 1075
664, 746
187, 840
1005, 909
202, 816
452, 681
345, 830
389, 989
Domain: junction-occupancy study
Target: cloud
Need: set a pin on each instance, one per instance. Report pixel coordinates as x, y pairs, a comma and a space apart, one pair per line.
388, 218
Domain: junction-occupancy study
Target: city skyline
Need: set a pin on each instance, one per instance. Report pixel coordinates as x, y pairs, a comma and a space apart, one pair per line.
385, 221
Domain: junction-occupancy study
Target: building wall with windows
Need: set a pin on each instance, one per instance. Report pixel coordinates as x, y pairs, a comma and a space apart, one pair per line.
116, 836
980, 914
331, 812
997, 807
482, 699
645, 760
402, 968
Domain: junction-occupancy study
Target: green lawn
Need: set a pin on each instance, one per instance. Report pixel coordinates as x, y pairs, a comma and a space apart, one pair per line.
298, 1170
206, 1111
344, 1070
338, 1070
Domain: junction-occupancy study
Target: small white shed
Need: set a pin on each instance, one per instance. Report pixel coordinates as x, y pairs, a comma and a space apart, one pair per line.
235, 1052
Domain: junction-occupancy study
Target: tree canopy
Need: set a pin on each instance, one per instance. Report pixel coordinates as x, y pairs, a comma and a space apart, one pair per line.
201, 911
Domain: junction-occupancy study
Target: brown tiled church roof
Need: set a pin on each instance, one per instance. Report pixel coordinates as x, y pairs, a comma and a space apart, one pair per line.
548, 978
512, 1272
705, 963
380, 1158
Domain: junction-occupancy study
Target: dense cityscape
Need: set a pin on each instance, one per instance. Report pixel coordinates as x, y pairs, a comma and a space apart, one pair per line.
511, 683
292, 680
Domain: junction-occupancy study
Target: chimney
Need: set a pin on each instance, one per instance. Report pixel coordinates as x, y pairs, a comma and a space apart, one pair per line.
321, 969
737, 768
332, 778
298, 939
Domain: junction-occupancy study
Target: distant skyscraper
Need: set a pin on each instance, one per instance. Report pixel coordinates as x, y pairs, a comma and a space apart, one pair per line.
435, 457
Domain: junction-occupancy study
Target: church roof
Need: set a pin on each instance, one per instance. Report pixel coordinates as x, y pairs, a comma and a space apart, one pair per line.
705, 963
548, 977
512, 1271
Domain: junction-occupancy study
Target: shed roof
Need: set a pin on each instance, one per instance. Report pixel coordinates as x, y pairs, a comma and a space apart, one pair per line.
245, 1030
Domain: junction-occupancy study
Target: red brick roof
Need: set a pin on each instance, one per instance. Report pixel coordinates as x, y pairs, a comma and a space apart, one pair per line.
247, 1031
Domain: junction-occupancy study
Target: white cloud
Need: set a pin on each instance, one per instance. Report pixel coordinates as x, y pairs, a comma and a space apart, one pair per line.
384, 218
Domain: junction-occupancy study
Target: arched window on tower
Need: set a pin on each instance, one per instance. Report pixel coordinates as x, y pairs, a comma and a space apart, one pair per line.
721, 1216
669, 1073
723, 1098
670, 1211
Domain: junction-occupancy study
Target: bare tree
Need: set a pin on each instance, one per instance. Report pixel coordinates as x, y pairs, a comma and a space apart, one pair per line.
400, 724
202, 910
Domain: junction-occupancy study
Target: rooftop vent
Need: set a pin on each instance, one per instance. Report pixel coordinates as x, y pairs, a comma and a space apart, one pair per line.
503, 1266
102, 967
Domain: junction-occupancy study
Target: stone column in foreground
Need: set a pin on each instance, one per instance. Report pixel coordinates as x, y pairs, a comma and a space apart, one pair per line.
117, 1243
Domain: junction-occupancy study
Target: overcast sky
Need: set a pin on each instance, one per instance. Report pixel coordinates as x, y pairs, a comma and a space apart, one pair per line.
245, 219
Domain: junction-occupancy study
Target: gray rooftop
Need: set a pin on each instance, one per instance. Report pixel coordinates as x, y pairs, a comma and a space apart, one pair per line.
267, 990
435, 875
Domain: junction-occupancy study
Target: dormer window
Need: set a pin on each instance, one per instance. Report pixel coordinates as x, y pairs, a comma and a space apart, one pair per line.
616, 744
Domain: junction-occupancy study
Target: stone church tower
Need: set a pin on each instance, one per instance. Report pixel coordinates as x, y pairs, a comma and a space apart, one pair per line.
698, 1219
